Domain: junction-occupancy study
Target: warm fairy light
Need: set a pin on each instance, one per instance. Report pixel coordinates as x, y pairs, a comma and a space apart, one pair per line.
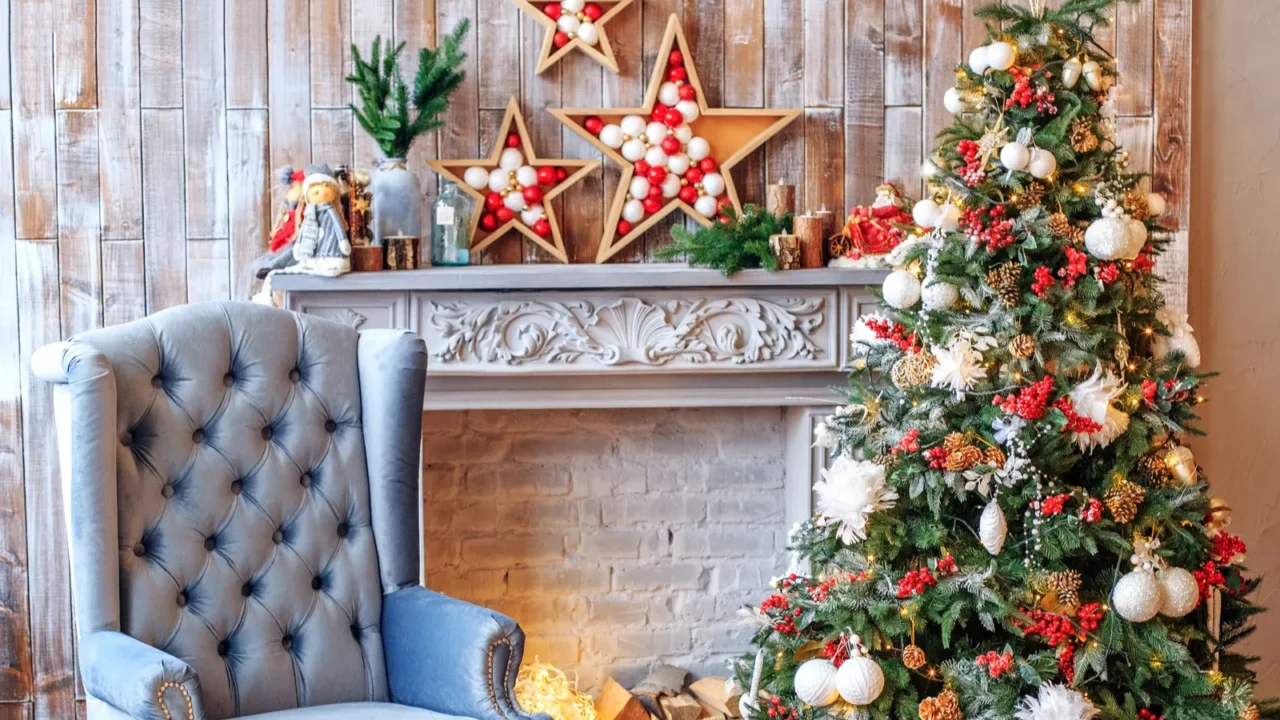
1133, 366
904, 612
542, 688
1014, 198
933, 673
871, 558
1148, 330
1017, 377
1199, 399
1080, 188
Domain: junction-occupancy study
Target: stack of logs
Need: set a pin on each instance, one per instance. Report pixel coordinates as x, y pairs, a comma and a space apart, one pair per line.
804, 247
664, 695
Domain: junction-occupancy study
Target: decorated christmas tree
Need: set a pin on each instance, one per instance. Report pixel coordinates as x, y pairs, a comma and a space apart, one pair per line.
1012, 526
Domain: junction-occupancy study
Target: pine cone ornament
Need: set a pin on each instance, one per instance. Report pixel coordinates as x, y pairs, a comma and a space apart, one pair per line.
1061, 227
1004, 280
953, 442
1156, 470
963, 459
885, 460
944, 707
1061, 592
912, 370
1136, 204
1082, 138
1250, 713
1123, 499
995, 457
1022, 346
1030, 197
913, 657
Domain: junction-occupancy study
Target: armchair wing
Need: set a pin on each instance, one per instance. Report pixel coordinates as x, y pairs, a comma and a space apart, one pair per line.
138, 679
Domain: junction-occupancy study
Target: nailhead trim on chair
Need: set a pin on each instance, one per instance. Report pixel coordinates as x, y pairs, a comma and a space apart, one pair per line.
164, 708
493, 695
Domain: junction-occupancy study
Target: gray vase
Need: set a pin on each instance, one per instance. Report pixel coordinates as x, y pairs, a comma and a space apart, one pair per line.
397, 201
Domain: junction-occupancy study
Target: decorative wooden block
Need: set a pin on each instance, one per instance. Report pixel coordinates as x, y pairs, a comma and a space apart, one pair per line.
811, 232
401, 252
732, 134
601, 50
781, 199
514, 134
787, 248
366, 258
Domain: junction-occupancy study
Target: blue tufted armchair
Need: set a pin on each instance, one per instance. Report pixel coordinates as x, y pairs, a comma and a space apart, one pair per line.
242, 490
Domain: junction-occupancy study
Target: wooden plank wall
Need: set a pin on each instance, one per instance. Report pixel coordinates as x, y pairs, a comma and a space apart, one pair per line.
138, 137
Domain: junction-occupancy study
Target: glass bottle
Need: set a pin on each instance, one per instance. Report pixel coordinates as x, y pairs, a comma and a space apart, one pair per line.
451, 227
397, 201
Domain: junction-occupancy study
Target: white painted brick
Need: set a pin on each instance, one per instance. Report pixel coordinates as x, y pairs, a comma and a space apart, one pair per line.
641, 643
441, 481
601, 480
554, 447
559, 650
558, 580
540, 513
442, 449
749, 574
516, 480
731, 541
737, 476
443, 424
722, 639
521, 421
762, 506
618, 611
508, 550
674, 476
666, 576
611, 543
646, 509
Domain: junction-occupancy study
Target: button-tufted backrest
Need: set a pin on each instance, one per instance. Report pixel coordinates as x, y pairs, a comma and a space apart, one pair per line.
243, 504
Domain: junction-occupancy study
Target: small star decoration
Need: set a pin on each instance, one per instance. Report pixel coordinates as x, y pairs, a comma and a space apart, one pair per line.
575, 24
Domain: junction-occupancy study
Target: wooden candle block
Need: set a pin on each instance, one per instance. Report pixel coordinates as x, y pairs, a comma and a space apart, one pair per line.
781, 200
366, 258
811, 231
401, 252
787, 248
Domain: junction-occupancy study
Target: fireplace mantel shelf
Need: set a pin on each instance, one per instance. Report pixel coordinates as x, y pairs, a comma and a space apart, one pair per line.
588, 336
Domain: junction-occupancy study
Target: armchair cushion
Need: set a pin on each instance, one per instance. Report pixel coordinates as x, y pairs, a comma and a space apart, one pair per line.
137, 678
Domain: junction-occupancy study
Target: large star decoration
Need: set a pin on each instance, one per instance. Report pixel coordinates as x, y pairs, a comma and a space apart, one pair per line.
575, 24
675, 152
513, 189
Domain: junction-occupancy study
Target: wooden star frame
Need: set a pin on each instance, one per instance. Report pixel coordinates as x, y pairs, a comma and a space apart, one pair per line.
551, 54
734, 133
480, 239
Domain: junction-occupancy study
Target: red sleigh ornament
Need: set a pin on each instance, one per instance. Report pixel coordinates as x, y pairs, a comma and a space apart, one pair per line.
872, 232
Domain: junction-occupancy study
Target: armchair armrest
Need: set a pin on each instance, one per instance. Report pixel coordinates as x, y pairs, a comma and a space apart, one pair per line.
451, 656
138, 679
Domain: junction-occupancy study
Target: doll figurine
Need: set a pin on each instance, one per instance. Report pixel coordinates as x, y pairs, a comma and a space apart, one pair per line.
286, 224
321, 246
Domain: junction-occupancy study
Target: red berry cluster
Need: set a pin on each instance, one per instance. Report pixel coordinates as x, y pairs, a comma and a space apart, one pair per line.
937, 457
1145, 714
1090, 616
1030, 402
915, 582
780, 711
1209, 577
1077, 265
1149, 388
1067, 662
1054, 628
1054, 504
995, 664
1092, 510
1144, 262
947, 566
1108, 273
836, 651
988, 227
1076, 423
1027, 90
1044, 281
1227, 547
820, 591
973, 171
909, 442
894, 333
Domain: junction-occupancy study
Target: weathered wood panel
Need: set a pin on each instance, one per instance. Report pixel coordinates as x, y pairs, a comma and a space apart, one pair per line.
163, 219
289, 78
79, 242
330, 52
120, 132
250, 196
35, 178
1172, 161
160, 47
247, 53
866, 97
208, 270
205, 118
76, 82
123, 282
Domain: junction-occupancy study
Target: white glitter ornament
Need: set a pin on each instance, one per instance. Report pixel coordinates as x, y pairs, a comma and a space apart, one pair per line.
656, 132
612, 136
1015, 156
669, 94
688, 110
1156, 204
633, 125
678, 164
639, 187
978, 61
706, 206
1138, 596
634, 150
713, 183
684, 134
573, 6
655, 157
510, 159
949, 217
533, 214
1092, 75
1001, 55
671, 185
633, 211
499, 180
1042, 164
860, 680
815, 683
514, 202
527, 176
589, 33
1137, 238
955, 101
698, 148
1181, 592
1108, 238
901, 289
925, 213
476, 178
938, 295
568, 23
1071, 72
993, 528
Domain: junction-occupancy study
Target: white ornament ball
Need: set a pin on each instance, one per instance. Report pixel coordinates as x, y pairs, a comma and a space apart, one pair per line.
815, 683
633, 125
1001, 55
1107, 238
1092, 75
476, 177
527, 176
669, 94
1042, 164
713, 183
1137, 238
949, 217
634, 150
1181, 592
1071, 72
1156, 204
860, 680
993, 528
954, 101
655, 133
698, 148
499, 180
633, 211
706, 206
938, 295
655, 157
978, 60
611, 136
573, 6
589, 33
678, 164
1015, 156
1138, 596
569, 23
510, 159
533, 214
901, 289
684, 134
514, 202
925, 213
639, 187
688, 110
671, 186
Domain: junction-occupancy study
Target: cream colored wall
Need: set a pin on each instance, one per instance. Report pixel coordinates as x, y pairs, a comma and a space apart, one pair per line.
1235, 273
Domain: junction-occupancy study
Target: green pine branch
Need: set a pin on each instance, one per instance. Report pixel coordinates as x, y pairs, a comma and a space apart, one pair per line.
741, 244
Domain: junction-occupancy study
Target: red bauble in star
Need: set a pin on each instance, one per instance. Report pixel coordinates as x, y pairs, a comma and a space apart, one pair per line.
560, 39
689, 194
675, 59
671, 145
513, 140
592, 11
651, 205
659, 113
677, 74
688, 92
504, 214
655, 191
492, 201
532, 194
673, 118
724, 204
561, 174
542, 228
657, 174
488, 222
624, 227
593, 125
693, 175
724, 219
546, 176
642, 168
553, 10
708, 165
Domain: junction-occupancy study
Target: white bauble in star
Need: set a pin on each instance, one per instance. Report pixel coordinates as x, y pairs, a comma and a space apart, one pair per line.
669, 94
1107, 238
633, 125
589, 33
1181, 592
1042, 164
1137, 238
1138, 596
978, 60
655, 157
925, 213
901, 289
634, 150
1015, 156
476, 178
678, 164
671, 186
706, 206
510, 159
656, 132
612, 136
993, 528
955, 102
514, 202
1092, 75
568, 23
713, 183
633, 211
815, 683
688, 110
949, 217
937, 295
533, 214
1071, 72
573, 6
1156, 204
527, 176
1001, 55
684, 134
639, 187
698, 148
499, 180
860, 680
